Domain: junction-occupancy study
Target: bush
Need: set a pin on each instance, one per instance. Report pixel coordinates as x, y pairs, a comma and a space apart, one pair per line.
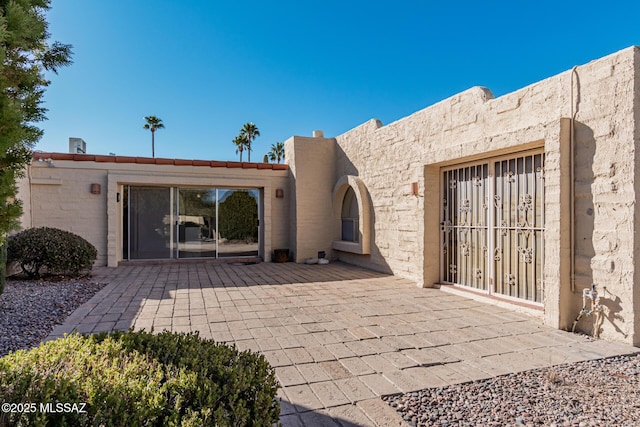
137, 378
238, 217
3, 266
56, 251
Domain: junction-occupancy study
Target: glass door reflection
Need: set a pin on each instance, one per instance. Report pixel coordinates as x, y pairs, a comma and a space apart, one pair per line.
238, 222
196, 223
148, 217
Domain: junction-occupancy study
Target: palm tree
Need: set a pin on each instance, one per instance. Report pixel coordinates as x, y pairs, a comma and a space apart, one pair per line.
277, 152
240, 142
250, 132
153, 124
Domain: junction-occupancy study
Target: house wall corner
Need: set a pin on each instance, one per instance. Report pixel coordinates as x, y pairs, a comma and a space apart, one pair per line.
311, 163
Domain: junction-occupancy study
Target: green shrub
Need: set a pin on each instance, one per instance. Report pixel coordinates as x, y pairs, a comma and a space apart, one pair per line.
3, 266
52, 250
238, 217
137, 378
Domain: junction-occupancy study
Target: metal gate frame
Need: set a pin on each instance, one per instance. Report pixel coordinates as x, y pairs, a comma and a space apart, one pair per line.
492, 225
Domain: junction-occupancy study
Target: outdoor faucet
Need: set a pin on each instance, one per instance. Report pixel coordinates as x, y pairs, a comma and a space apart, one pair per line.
596, 309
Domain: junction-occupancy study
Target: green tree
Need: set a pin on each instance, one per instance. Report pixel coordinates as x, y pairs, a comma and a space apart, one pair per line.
25, 55
238, 217
153, 124
277, 152
241, 143
250, 132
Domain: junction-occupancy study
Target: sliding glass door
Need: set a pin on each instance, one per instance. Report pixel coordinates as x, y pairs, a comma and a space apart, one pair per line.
238, 222
171, 222
197, 237
149, 222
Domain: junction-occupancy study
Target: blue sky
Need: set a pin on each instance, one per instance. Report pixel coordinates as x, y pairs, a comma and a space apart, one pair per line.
207, 67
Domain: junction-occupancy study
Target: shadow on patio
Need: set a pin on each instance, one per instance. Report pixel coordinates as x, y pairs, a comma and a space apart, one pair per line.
338, 336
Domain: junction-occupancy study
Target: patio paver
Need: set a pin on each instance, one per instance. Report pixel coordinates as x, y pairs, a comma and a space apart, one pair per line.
338, 336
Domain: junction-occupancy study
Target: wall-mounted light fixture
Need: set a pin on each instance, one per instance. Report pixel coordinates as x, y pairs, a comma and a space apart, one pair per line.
49, 161
279, 193
118, 197
414, 188
95, 188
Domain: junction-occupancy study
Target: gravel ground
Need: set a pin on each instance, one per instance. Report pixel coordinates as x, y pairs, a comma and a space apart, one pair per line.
603, 392
29, 310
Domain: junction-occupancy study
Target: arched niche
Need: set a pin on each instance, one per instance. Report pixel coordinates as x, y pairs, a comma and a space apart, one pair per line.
351, 216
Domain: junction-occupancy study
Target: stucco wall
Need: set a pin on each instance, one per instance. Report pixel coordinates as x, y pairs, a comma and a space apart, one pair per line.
472, 125
60, 197
311, 168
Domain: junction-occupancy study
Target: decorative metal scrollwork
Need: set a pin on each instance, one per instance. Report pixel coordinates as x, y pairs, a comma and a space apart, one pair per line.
497, 254
464, 248
524, 231
465, 206
525, 202
503, 227
497, 201
495, 221
526, 255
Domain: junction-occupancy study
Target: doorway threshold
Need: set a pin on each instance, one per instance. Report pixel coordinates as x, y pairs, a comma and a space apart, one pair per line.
231, 260
521, 306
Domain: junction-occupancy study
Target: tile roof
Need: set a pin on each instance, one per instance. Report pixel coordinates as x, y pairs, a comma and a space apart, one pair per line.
155, 161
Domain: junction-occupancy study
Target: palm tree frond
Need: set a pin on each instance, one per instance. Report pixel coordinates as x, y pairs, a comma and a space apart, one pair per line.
240, 142
249, 131
277, 151
153, 123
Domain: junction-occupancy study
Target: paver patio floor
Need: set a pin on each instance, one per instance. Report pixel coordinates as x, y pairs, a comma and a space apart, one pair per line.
338, 336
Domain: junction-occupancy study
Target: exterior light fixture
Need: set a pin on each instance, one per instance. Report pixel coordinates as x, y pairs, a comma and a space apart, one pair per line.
49, 161
95, 188
279, 193
414, 188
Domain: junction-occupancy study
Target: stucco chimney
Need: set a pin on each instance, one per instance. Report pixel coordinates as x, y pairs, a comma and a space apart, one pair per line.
318, 134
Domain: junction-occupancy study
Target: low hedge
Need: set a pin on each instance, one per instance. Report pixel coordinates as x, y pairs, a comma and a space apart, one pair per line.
52, 250
3, 266
139, 379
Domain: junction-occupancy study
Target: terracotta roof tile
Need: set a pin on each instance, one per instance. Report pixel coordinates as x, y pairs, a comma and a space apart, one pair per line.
124, 159
104, 158
165, 161
145, 161
158, 161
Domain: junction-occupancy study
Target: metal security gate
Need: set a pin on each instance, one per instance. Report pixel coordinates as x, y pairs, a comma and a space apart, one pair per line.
492, 230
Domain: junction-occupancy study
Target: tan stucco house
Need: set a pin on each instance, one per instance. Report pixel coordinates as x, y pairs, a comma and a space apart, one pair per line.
524, 200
